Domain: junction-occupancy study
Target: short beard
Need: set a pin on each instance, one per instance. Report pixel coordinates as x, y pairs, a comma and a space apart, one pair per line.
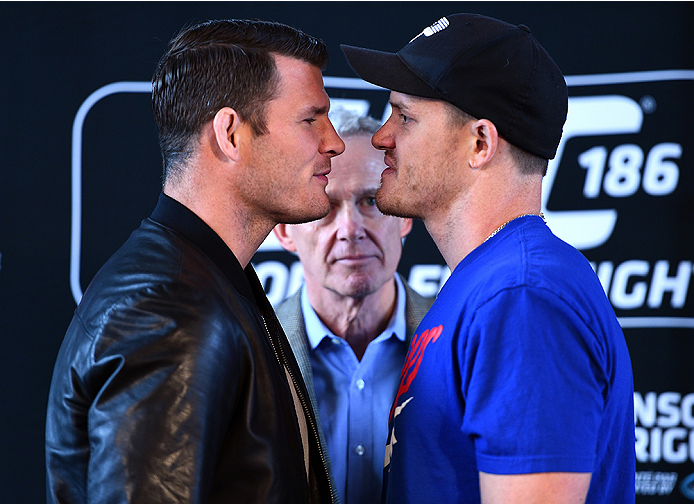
394, 208
308, 215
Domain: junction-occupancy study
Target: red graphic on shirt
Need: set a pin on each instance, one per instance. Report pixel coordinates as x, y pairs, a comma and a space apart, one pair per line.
413, 360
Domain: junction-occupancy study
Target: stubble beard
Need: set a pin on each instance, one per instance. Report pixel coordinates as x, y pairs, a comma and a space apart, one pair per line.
390, 202
315, 207
317, 210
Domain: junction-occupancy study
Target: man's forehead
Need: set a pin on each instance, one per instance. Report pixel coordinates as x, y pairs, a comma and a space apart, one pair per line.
300, 77
354, 178
360, 159
406, 101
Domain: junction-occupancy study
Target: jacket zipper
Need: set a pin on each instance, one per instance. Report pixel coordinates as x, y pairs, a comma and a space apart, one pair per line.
283, 362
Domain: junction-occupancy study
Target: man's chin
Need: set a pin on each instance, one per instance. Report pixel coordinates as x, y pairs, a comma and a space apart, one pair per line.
389, 204
311, 213
358, 291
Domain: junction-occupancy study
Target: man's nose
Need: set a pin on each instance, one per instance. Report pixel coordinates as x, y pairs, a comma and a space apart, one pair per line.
332, 144
383, 139
350, 224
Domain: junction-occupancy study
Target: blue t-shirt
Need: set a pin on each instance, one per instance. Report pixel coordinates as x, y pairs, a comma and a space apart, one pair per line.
519, 367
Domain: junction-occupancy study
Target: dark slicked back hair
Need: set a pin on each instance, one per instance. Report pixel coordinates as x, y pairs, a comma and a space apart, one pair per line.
217, 64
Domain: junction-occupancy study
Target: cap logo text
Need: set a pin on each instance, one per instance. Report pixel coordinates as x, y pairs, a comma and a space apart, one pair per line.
438, 26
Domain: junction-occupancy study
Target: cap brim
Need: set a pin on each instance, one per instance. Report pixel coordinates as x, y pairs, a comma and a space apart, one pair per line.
386, 70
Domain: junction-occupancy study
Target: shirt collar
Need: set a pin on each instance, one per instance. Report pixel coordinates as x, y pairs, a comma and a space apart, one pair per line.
317, 331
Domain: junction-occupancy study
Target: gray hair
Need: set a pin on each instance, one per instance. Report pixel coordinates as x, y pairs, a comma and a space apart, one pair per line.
348, 123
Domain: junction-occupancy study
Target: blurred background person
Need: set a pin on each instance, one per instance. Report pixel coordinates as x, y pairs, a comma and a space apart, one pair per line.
351, 323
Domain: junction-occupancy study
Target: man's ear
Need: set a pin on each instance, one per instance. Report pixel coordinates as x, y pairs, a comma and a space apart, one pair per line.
284, 237
228, 132
405, 227
486, 140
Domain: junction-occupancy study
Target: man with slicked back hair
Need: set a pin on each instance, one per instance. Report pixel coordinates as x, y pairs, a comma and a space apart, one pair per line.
175, 382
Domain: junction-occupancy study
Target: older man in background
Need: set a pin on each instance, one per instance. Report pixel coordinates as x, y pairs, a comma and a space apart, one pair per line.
351, 323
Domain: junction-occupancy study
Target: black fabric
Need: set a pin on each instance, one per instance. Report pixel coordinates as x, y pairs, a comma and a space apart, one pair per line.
170, 384
485, 67
173, 215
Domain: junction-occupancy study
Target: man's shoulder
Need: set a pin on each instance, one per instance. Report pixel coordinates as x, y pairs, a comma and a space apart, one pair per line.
414, 300
289, 310
416, 307
156, 275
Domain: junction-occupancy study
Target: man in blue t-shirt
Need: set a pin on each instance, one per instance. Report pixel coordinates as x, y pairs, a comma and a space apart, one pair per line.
517, 386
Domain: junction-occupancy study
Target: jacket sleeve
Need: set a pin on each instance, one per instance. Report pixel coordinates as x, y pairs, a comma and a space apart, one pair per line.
164, 382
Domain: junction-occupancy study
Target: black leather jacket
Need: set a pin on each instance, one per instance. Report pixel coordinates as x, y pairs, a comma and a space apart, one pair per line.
169, 385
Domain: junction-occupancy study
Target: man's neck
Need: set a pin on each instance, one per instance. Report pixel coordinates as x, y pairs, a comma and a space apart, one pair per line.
358, 320
242, 234
467, 223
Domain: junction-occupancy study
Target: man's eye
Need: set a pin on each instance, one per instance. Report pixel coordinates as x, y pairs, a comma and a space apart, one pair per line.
370, 200
310, 120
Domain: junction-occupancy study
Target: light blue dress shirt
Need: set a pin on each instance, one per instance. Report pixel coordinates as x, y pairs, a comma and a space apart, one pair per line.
354, 399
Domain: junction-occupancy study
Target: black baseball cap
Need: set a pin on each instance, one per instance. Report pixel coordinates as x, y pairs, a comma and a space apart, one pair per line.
488, 68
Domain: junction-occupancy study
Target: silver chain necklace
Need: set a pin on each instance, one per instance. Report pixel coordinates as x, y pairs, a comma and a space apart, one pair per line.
510, 220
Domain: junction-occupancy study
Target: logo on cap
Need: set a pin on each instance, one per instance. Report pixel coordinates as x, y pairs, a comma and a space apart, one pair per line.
438, 26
